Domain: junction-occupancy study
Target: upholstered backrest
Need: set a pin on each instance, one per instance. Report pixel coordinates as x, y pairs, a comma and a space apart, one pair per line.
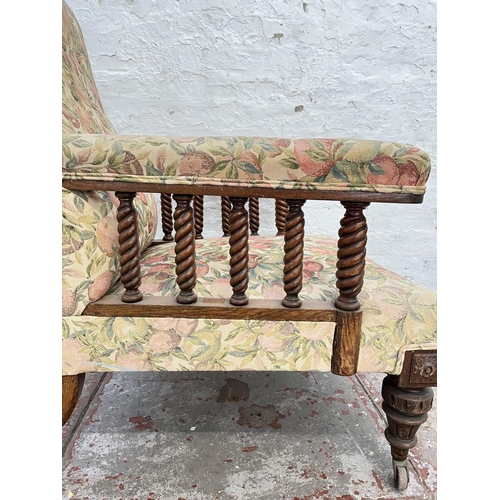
89, 237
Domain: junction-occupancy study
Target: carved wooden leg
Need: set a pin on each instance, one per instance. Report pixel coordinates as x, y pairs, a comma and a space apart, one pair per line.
225, 212
406, 411
294, 253
253, 208
71, 389
198, 217
128, 238
281, 209
238, 249
166, 216
185, 249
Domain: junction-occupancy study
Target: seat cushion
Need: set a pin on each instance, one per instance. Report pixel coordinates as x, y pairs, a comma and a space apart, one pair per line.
398, 315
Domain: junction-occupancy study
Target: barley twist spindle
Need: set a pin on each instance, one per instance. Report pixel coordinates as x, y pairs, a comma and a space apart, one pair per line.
351, 256
294, 252
185, 249
198, 217
128, 239
238, 249
253, 208
166, 216
281, 209
225, 211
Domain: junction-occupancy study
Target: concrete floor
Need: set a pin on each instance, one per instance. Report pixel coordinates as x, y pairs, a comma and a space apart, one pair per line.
269, 436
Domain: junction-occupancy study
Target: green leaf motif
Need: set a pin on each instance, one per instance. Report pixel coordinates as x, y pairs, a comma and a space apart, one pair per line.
375, 169
80, 143
316, 156
246, 166
290, 163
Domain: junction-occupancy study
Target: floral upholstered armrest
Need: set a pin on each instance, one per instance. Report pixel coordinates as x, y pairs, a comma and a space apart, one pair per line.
345, 165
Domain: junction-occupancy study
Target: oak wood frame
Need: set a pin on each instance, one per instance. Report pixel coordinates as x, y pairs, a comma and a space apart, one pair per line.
346, 312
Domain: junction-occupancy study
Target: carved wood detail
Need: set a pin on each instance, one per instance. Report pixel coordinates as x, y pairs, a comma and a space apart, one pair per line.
185, 249
419, 369
281, 209
128, 238
351, 256
198, 217
225, 212
238, 243
294, 253
253, 208
406, 411
167, 224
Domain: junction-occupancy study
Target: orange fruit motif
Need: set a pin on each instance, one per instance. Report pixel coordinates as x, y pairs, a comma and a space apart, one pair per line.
311, 166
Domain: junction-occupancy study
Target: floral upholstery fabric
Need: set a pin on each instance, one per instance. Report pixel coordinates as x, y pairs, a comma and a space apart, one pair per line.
89, 236
398, 315
334, 164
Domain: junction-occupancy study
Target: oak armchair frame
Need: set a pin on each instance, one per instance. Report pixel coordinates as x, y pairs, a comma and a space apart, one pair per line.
407, 397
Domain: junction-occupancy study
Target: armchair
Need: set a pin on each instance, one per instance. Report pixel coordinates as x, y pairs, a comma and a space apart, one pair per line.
240, 301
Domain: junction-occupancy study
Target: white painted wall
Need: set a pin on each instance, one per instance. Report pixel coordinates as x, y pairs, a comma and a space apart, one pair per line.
359, 68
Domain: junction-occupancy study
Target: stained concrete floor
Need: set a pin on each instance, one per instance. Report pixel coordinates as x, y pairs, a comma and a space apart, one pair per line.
245, 435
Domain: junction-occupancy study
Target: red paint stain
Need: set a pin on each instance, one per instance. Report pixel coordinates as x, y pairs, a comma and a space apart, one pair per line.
345, 497
339, 391
377, 480
141, 423
189, 438
316, 494
121, 486
246, 449
114, 477
340, 472
228, 461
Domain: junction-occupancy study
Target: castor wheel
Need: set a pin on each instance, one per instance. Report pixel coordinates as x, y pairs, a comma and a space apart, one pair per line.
401, 474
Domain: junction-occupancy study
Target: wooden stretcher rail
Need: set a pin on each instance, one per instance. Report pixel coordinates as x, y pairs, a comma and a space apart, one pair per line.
212, 308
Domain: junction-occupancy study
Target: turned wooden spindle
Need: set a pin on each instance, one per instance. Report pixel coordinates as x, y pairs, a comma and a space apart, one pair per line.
350, 271
185, 249
225, 211
253, 208
294, 253
166, 216
238, 250
198, 217
351, 256
128, 239
281, 209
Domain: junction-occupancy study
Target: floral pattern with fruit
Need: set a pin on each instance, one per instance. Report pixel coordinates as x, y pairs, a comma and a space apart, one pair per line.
398, 315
